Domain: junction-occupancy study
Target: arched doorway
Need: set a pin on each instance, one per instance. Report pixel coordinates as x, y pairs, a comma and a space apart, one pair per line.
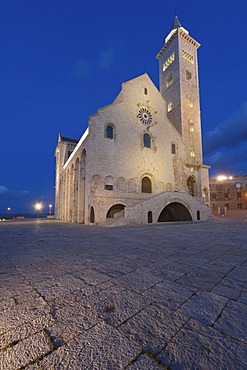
117, 208
150, 217
198, 216
191, 186
146, 185
91, 215
174, 212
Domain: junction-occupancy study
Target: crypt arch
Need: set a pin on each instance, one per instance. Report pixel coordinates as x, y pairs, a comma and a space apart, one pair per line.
175, 211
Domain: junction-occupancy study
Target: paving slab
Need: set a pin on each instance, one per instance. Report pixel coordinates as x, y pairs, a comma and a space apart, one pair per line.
135, 297
102, 347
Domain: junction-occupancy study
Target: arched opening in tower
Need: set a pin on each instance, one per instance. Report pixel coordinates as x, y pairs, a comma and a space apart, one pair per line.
174, 212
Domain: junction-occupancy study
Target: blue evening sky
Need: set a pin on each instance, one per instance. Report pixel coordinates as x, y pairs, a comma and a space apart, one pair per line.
62, 60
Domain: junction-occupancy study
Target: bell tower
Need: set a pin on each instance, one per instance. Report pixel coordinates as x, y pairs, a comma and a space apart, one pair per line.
178, 79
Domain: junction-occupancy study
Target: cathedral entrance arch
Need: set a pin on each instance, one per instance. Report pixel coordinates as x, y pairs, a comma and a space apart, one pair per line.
92, 218
191, 186
174, 212
114, 210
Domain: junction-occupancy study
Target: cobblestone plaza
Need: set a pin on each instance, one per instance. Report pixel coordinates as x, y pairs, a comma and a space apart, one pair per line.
157, 296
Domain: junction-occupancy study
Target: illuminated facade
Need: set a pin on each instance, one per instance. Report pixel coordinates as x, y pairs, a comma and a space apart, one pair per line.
140, 159
228, 193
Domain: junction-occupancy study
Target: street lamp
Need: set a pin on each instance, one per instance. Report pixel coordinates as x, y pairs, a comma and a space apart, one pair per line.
38, 206
50, 207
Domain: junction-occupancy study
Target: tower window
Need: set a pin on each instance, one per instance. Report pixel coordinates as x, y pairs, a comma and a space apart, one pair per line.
145, 91
190, 102
173, 148
191, 126
109, 131
169, 61
147, 140
169, 81
187, 56
169, 107
188, 75
192, 151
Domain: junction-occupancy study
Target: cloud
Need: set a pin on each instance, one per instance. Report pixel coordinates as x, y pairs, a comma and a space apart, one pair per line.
106, 58
82, 69
7, 194
230, 161
228, 134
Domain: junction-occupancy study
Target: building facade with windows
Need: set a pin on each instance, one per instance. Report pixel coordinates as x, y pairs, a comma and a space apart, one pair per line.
140, 159
228, 194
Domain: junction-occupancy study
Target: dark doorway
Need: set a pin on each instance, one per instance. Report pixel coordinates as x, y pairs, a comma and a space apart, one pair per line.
92, 215
174, 212
150, 217
146, 185
198, 215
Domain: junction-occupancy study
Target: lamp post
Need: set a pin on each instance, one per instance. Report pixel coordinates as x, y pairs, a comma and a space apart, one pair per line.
38, 206
8, 211
50, 207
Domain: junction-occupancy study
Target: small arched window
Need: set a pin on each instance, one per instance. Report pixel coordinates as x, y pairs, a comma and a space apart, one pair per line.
146, 140
109, 132
173, 148
145, 91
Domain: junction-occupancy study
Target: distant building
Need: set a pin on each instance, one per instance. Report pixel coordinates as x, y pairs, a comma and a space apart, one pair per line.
228, 193
140, 159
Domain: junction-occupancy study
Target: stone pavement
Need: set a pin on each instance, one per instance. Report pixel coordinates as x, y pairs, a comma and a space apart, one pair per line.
161, 296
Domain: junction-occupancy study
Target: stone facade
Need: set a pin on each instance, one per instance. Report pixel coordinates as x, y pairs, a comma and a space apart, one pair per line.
140, 159
229, 194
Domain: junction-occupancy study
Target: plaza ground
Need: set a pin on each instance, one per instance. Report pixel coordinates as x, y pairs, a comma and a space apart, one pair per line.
157, 296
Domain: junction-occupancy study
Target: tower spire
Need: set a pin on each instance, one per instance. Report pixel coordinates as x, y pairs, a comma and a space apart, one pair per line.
176, 23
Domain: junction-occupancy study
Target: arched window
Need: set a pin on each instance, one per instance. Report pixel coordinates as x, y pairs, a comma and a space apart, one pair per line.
145, 91
109, 132
173, 148
147, 140
146, 185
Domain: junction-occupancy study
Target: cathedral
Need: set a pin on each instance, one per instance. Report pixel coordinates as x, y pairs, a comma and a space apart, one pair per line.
140, 159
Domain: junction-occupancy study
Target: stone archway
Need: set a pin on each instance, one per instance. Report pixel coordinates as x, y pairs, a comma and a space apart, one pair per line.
191, 186
174, 212
117, 208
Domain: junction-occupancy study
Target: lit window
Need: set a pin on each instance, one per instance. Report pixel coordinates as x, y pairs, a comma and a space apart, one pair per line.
191, 126
169, 61
145, 91
173, 149
187, 56
169, 81
147, 140
188, 75
169, 107
192, 151
190, 102
109, 132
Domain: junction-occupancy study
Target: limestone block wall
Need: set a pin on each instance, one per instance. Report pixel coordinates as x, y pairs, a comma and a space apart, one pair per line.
157, 203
